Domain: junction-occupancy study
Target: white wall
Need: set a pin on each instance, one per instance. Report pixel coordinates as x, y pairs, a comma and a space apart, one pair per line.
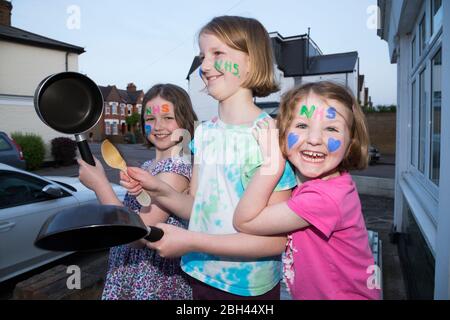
22, 68
285, 84
346, 79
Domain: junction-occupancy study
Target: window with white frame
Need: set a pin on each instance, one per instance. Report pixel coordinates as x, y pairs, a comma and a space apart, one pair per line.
422, 121
426, 96
436, 16
413, 136
114, 108
139, 108
107, 128
435, 126
122, 109
107, 110
422, 36
115, 130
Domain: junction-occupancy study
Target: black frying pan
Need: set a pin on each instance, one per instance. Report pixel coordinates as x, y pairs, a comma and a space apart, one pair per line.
71, 103
93, 227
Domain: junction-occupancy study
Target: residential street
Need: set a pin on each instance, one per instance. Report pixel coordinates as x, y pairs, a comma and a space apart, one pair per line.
378, 213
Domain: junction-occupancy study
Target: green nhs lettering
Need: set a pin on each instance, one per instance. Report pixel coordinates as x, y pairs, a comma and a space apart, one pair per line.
308, 112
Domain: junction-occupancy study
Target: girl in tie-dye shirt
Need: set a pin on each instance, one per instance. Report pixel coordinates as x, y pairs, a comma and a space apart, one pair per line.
236, 66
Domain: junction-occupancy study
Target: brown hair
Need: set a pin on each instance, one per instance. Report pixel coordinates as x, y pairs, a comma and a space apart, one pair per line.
249, 36
357, 152
184, 113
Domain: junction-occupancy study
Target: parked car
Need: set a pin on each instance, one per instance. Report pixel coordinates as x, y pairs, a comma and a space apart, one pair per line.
26, 201
10, 152
374, 155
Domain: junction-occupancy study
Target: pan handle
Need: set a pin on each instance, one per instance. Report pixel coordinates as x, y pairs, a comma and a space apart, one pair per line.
85, 151
154, 234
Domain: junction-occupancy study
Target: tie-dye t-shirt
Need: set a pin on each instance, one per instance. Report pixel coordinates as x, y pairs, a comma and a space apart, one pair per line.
227, 156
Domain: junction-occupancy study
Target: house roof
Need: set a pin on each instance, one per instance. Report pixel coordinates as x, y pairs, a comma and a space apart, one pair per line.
360, 82
333, 63
105, 91
133, 96
130, 97
24, 37
195, 64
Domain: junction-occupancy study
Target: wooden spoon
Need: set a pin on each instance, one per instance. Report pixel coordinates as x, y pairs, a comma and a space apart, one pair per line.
113, 159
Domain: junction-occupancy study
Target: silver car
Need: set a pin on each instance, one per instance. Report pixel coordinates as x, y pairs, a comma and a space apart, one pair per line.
10, 152
26, 201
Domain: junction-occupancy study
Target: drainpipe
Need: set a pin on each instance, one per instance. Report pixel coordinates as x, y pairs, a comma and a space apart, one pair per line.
67, 61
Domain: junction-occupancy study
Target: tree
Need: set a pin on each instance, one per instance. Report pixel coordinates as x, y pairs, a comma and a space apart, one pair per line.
133, 120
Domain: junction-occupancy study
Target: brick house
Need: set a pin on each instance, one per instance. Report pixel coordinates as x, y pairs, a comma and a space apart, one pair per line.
118, 104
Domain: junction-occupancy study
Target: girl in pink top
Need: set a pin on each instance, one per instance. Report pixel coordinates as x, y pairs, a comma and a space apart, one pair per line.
322, 132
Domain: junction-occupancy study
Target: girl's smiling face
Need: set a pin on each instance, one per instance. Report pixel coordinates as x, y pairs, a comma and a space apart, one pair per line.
160, 123
318, 137
223, 69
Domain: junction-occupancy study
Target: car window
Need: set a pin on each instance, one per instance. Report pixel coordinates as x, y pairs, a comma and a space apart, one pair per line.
18, 189
4, 145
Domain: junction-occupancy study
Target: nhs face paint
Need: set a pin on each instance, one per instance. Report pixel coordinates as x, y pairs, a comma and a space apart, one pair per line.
224, 69
292, 140
323, 137
160, 123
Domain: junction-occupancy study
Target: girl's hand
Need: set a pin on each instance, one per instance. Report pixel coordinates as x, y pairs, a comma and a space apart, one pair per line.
266, 134
175, 242
133, 187
139, 179
92, 177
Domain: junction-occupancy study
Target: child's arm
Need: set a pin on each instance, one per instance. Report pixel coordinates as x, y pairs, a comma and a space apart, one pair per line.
266, 177
178, 241
155, 214
95, 179
162, 193
275, 219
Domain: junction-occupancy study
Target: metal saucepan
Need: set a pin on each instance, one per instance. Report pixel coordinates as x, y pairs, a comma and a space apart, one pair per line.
70, 103
93, 227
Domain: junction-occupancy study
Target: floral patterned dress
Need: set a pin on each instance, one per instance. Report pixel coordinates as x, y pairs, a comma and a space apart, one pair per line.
141, 274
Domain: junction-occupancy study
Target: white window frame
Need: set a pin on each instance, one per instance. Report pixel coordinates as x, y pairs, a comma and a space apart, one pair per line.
107, 128
423, 62
113, 107
115, 129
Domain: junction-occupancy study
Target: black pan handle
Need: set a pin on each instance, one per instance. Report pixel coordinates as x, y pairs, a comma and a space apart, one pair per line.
154, 234
85, 152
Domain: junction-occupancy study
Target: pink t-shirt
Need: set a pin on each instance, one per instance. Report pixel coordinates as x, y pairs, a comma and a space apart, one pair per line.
332, 256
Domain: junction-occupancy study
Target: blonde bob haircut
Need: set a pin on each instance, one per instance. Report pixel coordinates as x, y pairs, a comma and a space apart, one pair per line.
249, 36
357, 152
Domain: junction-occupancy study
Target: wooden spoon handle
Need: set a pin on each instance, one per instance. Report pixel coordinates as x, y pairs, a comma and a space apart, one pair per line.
144, 199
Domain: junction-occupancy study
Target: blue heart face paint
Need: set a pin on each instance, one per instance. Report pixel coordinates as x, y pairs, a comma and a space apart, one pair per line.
333, 145
148, 129
200, 72
292, 140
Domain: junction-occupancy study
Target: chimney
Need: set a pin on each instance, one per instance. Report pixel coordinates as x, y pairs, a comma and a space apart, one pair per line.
5, 13
131, 87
